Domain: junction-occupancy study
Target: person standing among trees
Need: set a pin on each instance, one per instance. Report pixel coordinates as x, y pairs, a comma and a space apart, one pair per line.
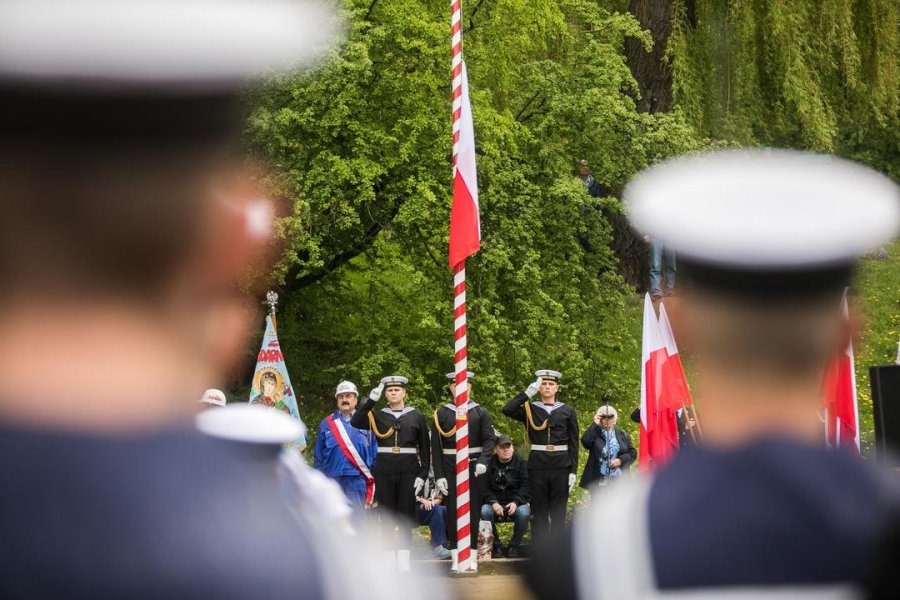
404, 454
552, 429
443, 451
593, 187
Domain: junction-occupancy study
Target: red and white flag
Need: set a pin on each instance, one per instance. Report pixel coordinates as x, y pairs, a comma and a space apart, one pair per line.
841, 405
677, 392
657, 423
465, 223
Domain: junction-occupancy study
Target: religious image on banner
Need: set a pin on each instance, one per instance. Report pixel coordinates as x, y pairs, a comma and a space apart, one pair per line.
271, 384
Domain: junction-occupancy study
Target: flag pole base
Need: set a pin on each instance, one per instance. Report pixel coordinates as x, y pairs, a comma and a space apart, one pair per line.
454, 565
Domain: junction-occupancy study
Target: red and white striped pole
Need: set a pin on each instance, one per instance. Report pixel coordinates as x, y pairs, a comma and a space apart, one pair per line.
461, 400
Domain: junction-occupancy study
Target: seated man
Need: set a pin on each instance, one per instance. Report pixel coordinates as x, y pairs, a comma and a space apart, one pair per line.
432, 512
507, 495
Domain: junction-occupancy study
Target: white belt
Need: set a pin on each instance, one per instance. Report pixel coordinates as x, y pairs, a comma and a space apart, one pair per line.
550, 448
452, 451
396, 450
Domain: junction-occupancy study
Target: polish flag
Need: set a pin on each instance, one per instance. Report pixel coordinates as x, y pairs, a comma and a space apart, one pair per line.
678, 394
465, 223
655, 445
842, 416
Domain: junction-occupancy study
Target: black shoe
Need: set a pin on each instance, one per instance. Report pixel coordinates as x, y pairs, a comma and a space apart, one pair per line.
512, 552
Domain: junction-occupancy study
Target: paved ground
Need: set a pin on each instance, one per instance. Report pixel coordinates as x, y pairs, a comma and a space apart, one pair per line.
489, 587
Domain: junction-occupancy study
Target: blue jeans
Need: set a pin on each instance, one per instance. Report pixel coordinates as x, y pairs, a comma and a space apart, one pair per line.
436, 519
661, 258
519, 519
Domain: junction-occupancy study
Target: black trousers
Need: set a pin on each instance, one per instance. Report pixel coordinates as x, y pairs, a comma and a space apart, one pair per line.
395, 493
476, 495
549, 494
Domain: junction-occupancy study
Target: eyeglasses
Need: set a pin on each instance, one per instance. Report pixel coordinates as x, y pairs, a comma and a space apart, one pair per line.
607, 416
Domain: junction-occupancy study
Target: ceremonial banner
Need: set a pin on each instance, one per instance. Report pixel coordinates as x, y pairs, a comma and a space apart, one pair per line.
841, 405
659, 429
271, 384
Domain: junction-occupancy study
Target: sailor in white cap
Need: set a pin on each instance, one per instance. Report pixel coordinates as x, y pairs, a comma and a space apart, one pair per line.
552, 429
443, 451
347, 454
123, 236
404, 453
768, 241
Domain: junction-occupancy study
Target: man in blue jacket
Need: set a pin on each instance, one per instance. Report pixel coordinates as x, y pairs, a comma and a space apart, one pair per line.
345, 453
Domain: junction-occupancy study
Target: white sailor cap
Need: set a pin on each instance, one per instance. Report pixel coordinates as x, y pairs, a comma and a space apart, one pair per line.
394, 381
452, 376
346, 387
548, 375
765, 222
250, 423
214, 397
146, 67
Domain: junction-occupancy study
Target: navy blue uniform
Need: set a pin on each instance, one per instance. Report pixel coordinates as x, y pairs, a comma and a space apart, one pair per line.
768, 515
169, 515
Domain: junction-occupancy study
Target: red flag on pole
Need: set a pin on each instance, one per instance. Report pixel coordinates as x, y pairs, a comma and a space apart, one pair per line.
842, 407
657, 443
677, 392
465, 223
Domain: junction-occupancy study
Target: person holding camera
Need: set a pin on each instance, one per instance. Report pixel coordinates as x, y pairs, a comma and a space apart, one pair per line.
610, 452
507, 496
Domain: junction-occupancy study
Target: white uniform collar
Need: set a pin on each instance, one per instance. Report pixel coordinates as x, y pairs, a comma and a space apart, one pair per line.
469, 406
548, 407
399, 413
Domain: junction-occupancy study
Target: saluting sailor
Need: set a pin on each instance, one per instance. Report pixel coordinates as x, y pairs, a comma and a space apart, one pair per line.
404, 454
552, 429
347, 454
443, 446
760, 508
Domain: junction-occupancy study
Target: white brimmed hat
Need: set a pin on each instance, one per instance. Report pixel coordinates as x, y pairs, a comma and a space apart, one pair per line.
452, 375
548, 375
250, 423
394, 381
765, 221
346, 387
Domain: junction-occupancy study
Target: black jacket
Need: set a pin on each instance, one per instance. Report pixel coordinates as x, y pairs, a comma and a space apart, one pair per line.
594, 442
408, 431
507, 482
481, 434
562, 431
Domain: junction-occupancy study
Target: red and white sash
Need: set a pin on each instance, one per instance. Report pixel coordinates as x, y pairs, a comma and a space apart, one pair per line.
352, 454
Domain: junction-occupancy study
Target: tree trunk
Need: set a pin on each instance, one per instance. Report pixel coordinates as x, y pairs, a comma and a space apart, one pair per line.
654, 79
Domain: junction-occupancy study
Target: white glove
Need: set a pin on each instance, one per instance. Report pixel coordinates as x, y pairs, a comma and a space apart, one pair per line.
480, 469
571, 481
533, 388
441, 485
419, 485
375, 394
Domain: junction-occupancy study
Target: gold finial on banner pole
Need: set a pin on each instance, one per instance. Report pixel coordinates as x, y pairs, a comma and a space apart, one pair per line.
272, 301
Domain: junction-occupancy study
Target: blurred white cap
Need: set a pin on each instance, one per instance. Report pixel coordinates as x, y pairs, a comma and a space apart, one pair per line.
250, 423
764, 209
108, 43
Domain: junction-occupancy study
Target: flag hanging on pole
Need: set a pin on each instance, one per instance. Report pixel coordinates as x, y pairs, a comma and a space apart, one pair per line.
271, 383
677, 392
465, 223
465, 240
841, 404
657, 444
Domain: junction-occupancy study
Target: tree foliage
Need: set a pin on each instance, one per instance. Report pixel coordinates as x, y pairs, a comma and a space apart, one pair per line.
363, 149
